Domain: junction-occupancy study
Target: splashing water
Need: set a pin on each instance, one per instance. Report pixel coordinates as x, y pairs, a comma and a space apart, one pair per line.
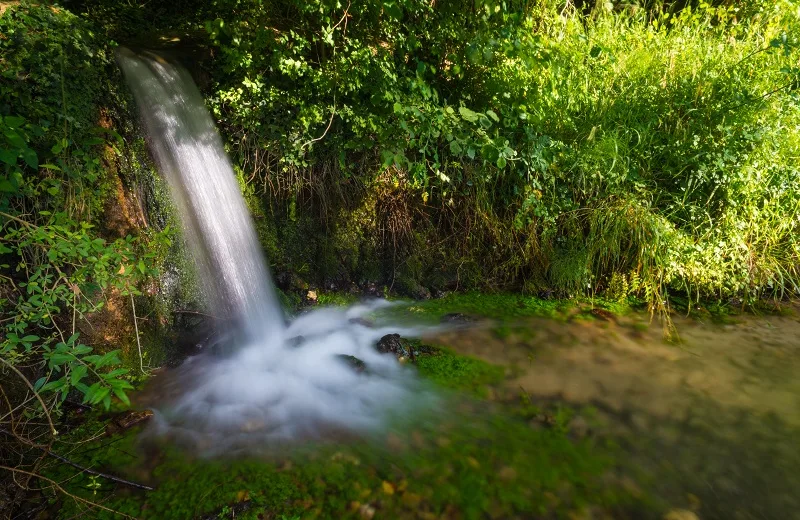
282, 382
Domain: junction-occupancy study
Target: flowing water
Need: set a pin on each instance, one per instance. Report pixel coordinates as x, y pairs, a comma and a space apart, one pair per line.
282, 381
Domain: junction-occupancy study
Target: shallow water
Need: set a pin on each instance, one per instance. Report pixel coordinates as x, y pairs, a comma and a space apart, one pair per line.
710, 423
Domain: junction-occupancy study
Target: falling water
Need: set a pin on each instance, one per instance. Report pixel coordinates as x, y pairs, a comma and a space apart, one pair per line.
190, 155
283, 381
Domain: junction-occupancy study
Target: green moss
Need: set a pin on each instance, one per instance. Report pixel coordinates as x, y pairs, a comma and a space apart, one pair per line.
492, 462
457, 372
496, 306
336, 298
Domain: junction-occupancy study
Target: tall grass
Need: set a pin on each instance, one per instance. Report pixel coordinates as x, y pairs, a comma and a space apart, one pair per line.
676, 140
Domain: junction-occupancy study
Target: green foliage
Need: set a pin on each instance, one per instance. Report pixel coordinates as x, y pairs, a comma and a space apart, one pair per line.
659, 141
56, 264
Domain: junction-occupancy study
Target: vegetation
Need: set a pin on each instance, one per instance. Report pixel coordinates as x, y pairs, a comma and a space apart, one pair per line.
640, 151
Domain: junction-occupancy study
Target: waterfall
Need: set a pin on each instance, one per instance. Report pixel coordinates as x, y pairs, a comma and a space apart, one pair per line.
217, 224
282, 382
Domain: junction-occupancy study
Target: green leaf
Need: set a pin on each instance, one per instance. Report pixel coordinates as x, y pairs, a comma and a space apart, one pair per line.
501, 162
15, 139
489, 153
30, 338
30, 158
49, 166
8, 156
141, 266
39, 382
77, 374
107, 401
468, 114
122, 396
494, 116
7, 187
455, 148
14, 121
117, 372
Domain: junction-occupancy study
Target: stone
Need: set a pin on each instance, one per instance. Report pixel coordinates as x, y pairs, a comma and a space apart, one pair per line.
127, 420
353, 362
392, 344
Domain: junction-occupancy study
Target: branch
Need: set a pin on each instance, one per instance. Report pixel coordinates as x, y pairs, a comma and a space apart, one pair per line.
98, 473
76, 465
62, 490
138, 341
28, 383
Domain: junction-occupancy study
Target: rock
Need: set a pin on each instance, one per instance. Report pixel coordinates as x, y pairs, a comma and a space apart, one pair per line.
311, 296
356, 364
680, 514
392, 344
372, 289
127, 420
545, 294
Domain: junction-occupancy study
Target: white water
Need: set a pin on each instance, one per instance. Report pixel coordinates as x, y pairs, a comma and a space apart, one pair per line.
271, 388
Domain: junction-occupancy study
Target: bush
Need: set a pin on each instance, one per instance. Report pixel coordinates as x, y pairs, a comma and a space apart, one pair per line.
658, 142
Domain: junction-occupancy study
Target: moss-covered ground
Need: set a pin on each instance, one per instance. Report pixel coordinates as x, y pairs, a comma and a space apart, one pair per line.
486, 457
483, 459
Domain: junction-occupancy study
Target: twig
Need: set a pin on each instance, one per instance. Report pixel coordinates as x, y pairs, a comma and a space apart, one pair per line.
62, 490
29, 385
98, 473
76, 465
182, 311
138, 342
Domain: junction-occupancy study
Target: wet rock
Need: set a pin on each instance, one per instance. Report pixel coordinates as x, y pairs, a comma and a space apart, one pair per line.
392, 344
680, 514
374, 290
354, 363
545, 294
127, 420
